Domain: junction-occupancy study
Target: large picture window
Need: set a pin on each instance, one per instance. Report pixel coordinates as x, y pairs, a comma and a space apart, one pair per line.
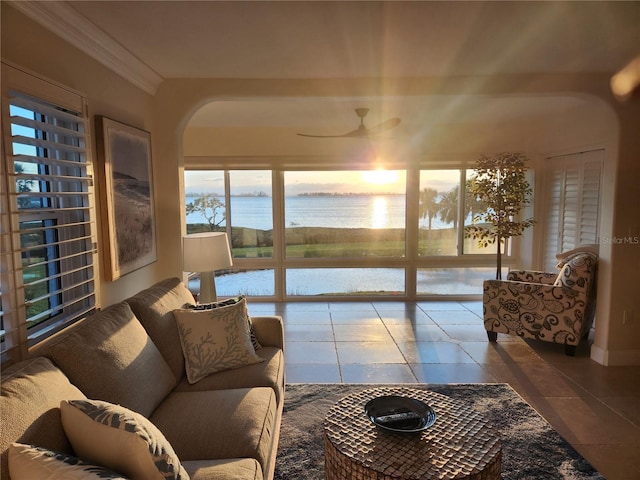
47, 217
340, 233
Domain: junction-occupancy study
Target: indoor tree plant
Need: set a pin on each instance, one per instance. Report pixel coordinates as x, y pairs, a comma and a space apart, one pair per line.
499, 184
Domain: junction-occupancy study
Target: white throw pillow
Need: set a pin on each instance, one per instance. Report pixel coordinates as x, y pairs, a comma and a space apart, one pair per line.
215, 339
119, 439
28, 462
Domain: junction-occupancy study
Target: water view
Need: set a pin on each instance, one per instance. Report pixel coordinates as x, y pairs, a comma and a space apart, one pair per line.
337, 216
352, 211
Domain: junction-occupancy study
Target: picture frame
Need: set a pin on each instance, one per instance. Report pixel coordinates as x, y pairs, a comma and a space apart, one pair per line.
126, 197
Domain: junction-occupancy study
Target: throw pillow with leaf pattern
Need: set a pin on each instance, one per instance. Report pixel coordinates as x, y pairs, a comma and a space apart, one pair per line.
215, 339
226, 303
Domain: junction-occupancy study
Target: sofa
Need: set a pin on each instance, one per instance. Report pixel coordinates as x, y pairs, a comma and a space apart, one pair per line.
552, 307
121, 381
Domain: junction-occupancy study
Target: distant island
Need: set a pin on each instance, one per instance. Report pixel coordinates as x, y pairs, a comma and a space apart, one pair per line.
204, 194
347, 194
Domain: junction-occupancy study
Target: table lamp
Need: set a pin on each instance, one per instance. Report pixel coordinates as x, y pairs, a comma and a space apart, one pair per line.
206, 253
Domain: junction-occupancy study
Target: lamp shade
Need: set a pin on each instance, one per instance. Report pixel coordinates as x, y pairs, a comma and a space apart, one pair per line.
205, 252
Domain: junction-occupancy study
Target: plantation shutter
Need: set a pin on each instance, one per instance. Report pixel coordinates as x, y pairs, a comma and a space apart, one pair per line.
572, 203
48, 213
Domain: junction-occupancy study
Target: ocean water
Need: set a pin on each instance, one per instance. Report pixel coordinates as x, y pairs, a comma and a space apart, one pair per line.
354, 211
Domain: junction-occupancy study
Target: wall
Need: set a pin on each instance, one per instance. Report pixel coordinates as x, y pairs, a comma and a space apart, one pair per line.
28, 45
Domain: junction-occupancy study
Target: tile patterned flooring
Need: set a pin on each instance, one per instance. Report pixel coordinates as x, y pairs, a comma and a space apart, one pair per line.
595, 408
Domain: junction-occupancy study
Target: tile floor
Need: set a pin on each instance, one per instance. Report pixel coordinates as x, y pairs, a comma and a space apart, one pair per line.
596, 408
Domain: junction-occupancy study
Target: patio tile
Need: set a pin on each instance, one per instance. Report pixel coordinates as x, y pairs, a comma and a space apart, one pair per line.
455, 317
451, 373
434, 352
418, 333
441, 305
311, 352
308, 333
398, 317
368, 353
378, 373
501, 352
312, 373
307, 318
361, 333
352, 306
465, 333
349, 317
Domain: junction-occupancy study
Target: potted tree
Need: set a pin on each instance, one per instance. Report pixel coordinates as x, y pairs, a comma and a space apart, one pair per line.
499, 184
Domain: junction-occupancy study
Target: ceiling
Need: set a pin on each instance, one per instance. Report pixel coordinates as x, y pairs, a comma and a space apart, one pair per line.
356, 39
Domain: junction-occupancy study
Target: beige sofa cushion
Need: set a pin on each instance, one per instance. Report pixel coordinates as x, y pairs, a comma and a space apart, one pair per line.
219, 424
154, 308
227, 469
269, 373
29, 407
110, 357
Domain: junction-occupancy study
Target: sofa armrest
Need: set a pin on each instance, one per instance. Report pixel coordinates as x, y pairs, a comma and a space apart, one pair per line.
269, 330
532, 276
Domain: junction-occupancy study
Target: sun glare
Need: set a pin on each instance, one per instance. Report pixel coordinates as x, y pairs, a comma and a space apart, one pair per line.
379, 176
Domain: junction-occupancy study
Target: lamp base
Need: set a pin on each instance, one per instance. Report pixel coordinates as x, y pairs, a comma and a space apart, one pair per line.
207, 288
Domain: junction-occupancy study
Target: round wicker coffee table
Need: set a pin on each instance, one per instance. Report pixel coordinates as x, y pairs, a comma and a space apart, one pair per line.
460, 445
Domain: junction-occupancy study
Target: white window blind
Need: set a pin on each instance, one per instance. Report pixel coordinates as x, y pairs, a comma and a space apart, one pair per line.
572, 203
48, 213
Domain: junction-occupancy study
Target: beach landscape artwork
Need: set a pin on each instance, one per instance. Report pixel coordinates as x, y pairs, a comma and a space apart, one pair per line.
126, 185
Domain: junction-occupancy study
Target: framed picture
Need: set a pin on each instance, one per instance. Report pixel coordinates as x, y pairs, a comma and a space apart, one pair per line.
126, 197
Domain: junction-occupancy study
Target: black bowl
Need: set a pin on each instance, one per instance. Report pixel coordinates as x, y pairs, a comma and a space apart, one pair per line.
400, 414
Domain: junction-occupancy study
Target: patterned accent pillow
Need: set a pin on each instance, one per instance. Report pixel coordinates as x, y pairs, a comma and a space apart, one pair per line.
215, 339
27, 462
119, 439
577, 271
226, 303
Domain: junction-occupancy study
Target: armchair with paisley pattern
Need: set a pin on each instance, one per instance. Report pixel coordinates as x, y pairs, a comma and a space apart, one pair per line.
553, 307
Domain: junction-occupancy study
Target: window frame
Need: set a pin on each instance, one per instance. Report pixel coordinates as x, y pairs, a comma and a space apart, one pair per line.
411, 262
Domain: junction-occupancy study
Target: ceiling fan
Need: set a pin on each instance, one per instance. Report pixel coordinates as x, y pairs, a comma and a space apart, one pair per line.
362, 131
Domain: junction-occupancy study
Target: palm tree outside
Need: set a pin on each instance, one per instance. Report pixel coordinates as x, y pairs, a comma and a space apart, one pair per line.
429, 204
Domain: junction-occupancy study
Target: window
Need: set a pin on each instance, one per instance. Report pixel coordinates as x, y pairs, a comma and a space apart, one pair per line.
336, 233
48, 242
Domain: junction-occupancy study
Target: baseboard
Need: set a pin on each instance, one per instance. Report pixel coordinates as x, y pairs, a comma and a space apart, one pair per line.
615, 358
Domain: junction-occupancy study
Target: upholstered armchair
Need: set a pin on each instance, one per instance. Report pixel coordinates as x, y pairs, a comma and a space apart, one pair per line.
553, 307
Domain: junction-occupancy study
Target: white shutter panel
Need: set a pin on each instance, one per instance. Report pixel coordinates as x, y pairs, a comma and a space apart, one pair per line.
48, 214
572, 203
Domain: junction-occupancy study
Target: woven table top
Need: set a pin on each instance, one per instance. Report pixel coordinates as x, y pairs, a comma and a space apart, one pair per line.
460, 445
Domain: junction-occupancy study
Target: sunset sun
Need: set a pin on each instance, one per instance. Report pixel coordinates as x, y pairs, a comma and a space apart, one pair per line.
380, 176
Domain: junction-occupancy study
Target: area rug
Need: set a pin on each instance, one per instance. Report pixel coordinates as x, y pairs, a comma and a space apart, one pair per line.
531, 448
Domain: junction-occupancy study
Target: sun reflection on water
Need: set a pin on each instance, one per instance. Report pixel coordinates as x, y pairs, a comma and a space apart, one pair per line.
379, 212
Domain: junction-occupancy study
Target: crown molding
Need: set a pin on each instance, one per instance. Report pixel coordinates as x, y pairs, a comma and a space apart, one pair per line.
64, 21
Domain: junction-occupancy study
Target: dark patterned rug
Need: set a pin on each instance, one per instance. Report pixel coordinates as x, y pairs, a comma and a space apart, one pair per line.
531, 448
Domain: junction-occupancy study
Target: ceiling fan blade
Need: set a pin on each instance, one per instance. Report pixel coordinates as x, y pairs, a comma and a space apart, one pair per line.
361, 131
322, 136
386, 125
